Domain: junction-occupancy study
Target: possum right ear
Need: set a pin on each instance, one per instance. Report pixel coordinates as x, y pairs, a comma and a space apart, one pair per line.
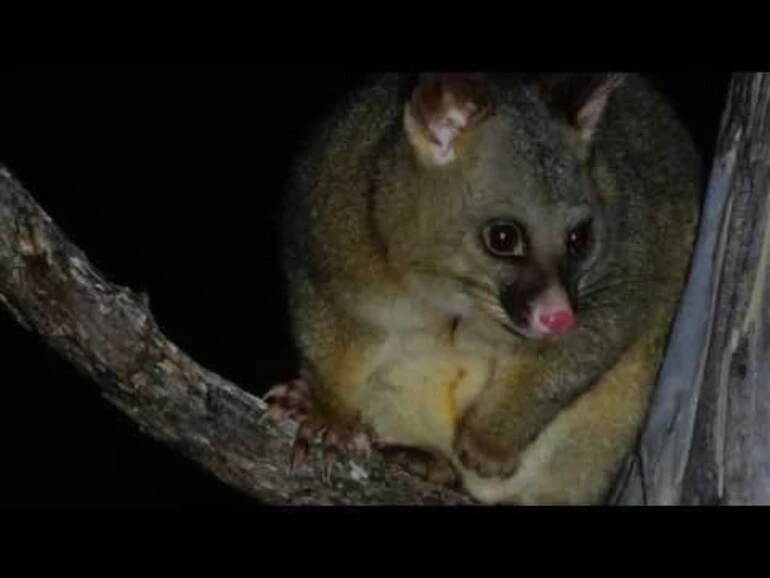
442, 109
581, 98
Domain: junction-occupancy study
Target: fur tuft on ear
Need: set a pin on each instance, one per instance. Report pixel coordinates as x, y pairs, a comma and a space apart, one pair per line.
443, 107
581, 98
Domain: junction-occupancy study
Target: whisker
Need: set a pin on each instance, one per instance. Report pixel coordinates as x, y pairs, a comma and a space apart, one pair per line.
605, 285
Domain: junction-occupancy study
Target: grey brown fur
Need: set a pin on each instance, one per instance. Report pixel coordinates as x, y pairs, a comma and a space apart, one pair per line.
403, 318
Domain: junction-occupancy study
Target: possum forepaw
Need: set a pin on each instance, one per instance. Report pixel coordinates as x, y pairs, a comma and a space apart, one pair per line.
481, 448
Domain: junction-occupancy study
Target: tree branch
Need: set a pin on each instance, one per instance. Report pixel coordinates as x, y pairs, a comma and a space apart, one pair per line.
110, 335
707, 439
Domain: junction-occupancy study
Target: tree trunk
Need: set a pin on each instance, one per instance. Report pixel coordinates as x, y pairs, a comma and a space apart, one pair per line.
707, 440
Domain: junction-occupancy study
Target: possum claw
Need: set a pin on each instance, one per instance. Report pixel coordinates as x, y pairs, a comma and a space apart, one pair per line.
301, 447
299, 453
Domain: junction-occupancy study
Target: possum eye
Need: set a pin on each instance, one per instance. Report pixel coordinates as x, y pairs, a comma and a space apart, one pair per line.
504, 239
579, 240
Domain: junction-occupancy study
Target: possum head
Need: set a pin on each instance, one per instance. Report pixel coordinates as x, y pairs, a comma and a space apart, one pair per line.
505, 171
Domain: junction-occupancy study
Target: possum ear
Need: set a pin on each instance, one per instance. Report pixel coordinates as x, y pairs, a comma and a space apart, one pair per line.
581, 98
442, 109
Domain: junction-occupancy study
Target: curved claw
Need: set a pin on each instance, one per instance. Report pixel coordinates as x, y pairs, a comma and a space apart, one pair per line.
306, 433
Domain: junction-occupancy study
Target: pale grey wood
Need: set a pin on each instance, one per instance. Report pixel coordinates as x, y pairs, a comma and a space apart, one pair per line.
707, 440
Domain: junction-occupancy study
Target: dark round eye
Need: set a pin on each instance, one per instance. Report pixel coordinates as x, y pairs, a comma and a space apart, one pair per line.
504, 239
579, 240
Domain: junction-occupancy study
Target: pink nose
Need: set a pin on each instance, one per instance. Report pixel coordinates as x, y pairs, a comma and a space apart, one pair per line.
558, 322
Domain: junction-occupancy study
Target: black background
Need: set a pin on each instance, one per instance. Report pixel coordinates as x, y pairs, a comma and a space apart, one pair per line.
170, 179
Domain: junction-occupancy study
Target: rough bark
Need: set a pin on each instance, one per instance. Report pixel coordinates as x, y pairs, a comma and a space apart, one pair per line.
707, 440
109, 334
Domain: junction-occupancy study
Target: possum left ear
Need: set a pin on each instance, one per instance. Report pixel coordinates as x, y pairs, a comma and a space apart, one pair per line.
443, 108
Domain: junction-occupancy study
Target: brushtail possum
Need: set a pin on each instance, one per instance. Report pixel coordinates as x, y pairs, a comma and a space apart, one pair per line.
483, 270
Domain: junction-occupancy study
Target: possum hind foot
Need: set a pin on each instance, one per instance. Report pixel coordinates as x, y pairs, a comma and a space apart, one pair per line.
294, 400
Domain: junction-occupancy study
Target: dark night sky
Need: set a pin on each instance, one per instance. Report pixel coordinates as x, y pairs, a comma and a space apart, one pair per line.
169, 180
